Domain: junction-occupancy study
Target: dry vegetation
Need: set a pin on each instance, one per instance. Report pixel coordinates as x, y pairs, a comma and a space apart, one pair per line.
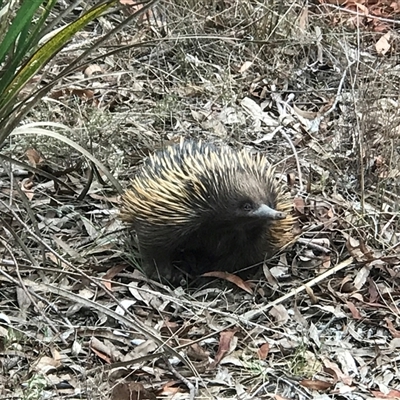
300, 81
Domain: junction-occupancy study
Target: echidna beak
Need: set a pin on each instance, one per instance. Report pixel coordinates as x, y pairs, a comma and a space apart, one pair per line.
268, 213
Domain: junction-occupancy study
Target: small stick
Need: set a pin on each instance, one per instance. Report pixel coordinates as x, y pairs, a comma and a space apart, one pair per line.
255, 313
190, 386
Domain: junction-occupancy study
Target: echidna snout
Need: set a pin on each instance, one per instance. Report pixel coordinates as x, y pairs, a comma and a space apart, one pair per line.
200, 207
268, 213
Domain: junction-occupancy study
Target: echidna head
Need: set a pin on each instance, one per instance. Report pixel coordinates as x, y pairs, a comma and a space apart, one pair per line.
242, 198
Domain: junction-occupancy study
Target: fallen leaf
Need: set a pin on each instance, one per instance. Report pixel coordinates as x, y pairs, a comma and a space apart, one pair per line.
354, 311
239, 282
392, 394
226, 345
131, 391
169, 389
361, 277
333, 369
46, 364
111, 273
315, 384
299, 205
279, 397
245, 66
34, 157
382, 46
280, 314
263, 351
92, 69
395, 333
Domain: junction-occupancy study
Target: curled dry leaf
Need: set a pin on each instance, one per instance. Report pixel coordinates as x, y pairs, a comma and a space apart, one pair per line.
299, 205
26, 187
47, 364
305, 114
34, 157
334, 370
361, 277
354, 311
101, 350
92, 69
391, 394
280, 314
315, 384
226, 345
170, 389
394, 332
239, 282
131, 391
196, 352
111, 273
245, 66
263, 351
359, 250
382, 46
169, 327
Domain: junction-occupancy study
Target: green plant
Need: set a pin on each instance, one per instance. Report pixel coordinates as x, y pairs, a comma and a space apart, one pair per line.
24, 51
29, 41
35, 387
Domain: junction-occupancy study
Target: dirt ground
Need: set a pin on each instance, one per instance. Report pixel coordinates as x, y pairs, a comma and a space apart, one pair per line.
314, 86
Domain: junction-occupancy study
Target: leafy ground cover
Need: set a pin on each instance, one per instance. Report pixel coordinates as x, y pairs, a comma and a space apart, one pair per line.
315, 86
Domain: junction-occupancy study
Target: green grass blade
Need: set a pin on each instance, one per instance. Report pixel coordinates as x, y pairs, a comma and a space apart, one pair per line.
27, 40
30, 37
22, 18
48, 50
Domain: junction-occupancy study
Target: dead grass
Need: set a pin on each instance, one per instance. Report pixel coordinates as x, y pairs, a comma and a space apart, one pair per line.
204, 69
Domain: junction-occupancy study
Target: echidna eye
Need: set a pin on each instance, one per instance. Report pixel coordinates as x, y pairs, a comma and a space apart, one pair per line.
247, 207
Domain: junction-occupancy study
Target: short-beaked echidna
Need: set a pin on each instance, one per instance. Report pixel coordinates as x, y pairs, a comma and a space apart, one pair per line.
201, 207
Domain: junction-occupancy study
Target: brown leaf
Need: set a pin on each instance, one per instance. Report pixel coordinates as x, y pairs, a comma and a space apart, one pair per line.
279, 397
333, 369
299, 205
34, 157
239, 282
395, 333
311, 294
374, 295
393, 394
170, 326
46, 364
354, 311
27, 188
315, 384
100, 350
263, 351
170, 389
224, 347
131, 391
83, 94
196, 352
111, 273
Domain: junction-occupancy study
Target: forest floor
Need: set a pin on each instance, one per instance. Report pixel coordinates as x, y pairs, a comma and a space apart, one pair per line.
312, 85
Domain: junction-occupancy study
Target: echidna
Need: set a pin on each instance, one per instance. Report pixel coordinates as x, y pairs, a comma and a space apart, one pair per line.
200, 207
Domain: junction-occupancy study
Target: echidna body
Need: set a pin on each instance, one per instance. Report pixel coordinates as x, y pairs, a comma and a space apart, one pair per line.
204, 208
